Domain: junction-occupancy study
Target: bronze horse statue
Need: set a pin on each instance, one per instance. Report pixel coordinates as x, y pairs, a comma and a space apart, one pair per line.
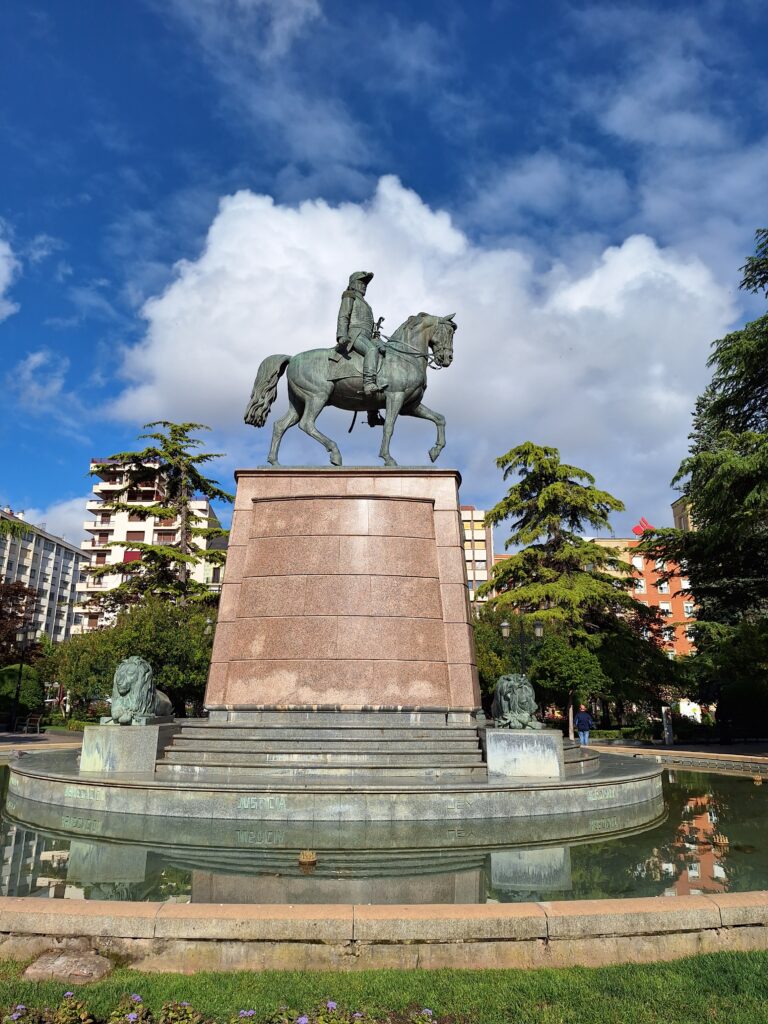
315, 380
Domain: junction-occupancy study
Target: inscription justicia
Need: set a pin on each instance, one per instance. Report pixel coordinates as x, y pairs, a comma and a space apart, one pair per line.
261, 803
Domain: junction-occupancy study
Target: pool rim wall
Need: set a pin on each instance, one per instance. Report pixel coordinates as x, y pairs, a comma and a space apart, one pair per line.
185, 938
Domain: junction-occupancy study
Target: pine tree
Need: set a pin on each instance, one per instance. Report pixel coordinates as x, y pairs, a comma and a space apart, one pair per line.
576, 587
169, 468
725, 481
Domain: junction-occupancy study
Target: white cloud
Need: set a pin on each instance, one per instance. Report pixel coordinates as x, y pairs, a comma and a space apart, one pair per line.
604, 363
9, 268
63, 518
38, 383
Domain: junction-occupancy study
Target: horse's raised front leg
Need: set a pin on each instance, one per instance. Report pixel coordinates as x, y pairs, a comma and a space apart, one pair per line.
423, 412
313, 406
290, 419
394, 404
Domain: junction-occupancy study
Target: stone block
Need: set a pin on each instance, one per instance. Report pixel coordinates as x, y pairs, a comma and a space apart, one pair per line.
123, 748
642, 916
70, 968
449, 923
322, 923
532, 753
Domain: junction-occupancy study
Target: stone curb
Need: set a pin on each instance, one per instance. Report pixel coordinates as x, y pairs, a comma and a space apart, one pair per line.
222, 936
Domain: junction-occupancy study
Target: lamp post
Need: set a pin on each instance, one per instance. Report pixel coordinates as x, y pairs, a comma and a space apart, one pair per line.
23, 640
506, 631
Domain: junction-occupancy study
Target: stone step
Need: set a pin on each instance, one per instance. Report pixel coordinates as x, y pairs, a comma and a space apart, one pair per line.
319, 773
352, 745
301, 758
448, 734
432, 719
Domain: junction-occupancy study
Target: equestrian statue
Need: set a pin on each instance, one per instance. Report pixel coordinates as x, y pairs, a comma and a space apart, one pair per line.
364, 373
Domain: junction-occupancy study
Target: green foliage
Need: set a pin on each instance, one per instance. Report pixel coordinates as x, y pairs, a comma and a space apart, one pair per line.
730, 987
725, 479
580, 590
17, 605
164, 570
31, 695
755, 270
175, 639
565, 579
561, 669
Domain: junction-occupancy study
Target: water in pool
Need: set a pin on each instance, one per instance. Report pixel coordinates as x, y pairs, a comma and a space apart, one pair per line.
710, 836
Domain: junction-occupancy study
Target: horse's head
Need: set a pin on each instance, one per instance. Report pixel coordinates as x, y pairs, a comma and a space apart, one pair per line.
441, 341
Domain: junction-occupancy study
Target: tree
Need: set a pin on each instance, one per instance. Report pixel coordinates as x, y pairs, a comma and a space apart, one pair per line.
578, 588
755, 269
17, 606
562, 670
725, 480
169, 463
175, 639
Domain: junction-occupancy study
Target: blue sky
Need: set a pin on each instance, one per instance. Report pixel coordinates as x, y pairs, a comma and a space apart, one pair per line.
185, 186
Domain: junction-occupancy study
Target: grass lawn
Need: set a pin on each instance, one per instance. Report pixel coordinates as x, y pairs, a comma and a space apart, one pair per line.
731, 988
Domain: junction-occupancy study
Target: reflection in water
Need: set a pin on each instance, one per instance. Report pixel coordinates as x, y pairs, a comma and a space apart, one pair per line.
712, 838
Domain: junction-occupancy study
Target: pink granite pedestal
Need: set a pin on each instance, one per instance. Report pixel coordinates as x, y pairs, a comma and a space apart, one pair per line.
344, 589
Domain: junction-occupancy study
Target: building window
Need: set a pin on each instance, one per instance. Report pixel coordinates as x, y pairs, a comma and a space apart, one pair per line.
131, 556
640, 586
663, 587
685, 584
665, 607
688, 607
167, 537
638, 562
135, 535
134, 517
660, 565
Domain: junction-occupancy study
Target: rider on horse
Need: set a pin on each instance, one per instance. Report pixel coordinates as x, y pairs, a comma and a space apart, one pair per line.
355, 329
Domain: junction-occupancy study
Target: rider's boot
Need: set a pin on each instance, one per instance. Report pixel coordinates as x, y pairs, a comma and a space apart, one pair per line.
370, 382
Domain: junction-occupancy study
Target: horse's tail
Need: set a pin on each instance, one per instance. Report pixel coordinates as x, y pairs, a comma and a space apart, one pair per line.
265, 389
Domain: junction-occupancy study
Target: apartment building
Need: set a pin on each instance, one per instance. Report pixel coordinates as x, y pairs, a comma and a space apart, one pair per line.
478, 549
681, 515
107, 526
48, 565
672, 597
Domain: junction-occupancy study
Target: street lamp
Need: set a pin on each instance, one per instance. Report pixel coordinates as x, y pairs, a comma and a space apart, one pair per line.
506, 631
22, 638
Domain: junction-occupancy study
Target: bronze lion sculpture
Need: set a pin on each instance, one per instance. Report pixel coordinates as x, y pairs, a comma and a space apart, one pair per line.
134, 694
514, 703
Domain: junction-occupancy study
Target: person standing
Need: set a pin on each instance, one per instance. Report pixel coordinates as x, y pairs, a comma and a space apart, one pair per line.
583, 722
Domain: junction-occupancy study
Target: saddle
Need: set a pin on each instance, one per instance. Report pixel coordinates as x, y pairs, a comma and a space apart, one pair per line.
343, 367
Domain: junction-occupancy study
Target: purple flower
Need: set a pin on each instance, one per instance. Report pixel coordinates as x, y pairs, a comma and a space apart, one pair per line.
136, 999
427, 1013
185, 1004
68, 995
302, 1020
357, 1015
331, 1005
21, 1006
131, 1016
15, 1016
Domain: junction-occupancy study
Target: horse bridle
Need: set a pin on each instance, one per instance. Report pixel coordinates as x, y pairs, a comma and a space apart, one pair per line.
411, 351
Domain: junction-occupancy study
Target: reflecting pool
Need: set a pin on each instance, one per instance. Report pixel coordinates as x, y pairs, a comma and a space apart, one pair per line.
709, 835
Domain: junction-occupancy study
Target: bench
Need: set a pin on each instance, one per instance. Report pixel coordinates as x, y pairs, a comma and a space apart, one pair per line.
29, 724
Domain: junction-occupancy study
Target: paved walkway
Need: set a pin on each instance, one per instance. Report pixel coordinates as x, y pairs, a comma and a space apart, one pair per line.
10, 742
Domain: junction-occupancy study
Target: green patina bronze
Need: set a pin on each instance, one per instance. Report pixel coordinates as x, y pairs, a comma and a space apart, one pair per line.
363, 373
514, 703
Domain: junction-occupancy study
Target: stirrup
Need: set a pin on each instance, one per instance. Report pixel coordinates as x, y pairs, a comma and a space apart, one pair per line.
372, 386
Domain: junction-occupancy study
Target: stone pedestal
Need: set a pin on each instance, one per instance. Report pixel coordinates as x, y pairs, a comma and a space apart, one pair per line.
344, 589
123, 748
525, 753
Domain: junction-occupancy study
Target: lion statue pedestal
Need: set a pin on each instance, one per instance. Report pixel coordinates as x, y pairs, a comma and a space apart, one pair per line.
518, 745
135, 702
